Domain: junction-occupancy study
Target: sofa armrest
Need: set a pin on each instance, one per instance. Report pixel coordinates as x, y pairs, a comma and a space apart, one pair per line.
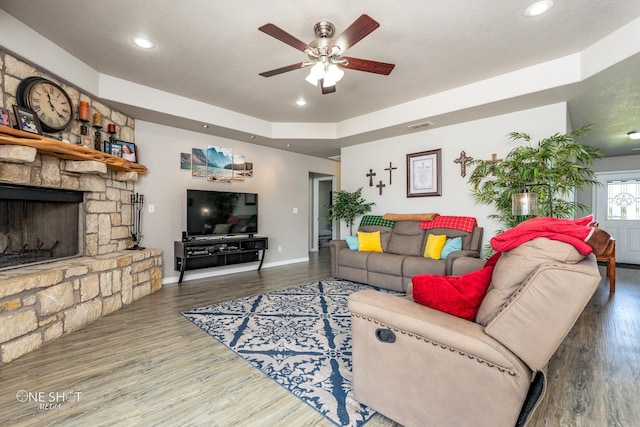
464, 265
334, 248
454, 333
414, 364
448, 269
338, 244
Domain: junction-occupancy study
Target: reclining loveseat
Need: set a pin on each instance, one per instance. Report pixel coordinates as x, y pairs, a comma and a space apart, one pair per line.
424, 367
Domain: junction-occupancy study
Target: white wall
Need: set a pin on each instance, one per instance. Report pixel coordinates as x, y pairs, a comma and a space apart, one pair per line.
479, 139
281, 180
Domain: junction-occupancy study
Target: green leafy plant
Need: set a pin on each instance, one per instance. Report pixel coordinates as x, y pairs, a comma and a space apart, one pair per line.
559, 163
347, 206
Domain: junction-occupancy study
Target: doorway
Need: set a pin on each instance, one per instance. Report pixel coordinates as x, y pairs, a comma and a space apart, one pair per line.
617, 207
321, 229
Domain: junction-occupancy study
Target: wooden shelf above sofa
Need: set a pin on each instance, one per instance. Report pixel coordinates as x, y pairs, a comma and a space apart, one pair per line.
67, 151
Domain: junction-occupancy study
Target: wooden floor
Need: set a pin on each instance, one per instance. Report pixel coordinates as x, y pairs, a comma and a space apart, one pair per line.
146, 365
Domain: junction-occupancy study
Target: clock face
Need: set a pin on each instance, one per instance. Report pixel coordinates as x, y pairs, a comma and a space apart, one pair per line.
50, 102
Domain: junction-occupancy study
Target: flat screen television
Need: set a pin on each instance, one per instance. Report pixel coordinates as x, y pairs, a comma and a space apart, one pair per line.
221, 213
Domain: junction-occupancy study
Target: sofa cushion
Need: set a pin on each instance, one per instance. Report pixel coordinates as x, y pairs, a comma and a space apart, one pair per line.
457, 295
369, 242
407, 238
451, 233
385, 233
451, 245
353, 259
385, 263
414, 265
513, 268
434, 245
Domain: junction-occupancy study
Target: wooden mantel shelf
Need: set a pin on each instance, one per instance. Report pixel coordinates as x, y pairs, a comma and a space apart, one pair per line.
64, 150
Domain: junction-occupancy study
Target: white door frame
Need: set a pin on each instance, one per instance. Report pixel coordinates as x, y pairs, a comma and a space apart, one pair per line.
315, 219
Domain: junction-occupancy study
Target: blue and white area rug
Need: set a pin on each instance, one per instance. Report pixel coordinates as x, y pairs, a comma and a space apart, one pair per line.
300, 337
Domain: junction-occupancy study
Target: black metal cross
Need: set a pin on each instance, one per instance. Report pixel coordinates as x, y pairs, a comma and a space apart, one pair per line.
371, 174
380, 185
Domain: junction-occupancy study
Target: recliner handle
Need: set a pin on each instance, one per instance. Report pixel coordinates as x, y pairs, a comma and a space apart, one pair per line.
385, 335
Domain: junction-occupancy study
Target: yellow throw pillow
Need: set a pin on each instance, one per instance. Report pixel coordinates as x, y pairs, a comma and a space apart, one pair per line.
434, 246
369, 242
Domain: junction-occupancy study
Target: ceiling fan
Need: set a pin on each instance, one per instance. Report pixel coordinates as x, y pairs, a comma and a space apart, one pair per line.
325, 52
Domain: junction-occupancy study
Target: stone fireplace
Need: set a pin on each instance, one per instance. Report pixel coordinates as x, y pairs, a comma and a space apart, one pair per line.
42, 301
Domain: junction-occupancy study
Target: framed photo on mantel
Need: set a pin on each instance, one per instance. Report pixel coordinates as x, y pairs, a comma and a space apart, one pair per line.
424, 177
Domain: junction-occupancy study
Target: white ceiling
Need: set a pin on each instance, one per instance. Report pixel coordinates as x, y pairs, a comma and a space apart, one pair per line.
212, 51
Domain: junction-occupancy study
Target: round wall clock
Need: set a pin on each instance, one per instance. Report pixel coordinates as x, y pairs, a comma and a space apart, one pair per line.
48, 100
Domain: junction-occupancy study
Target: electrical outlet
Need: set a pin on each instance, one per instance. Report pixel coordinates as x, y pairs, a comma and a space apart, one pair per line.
279, 248
151, 208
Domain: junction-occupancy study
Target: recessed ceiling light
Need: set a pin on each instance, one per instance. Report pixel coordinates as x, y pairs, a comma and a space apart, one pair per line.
143, 42
301, 102
538, 8
206, 126
634, 134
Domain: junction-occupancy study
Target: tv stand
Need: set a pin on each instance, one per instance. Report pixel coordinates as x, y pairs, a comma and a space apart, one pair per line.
216, 252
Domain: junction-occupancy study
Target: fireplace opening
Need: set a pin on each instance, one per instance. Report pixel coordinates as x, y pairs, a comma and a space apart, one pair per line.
38, 225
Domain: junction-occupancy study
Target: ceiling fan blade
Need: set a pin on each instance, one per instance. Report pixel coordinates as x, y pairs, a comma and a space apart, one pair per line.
360, 28
283, 36
368, 65
328, 89
281, 70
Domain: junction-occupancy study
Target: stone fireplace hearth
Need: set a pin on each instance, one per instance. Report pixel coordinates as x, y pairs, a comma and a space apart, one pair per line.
41, 302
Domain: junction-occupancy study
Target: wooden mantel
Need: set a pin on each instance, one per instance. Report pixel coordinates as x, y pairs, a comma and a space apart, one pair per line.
67, 151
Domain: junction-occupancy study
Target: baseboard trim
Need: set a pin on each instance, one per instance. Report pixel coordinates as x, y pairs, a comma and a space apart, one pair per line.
222, 271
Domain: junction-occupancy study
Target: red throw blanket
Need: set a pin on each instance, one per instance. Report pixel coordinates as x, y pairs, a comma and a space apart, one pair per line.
464, 223
576, 232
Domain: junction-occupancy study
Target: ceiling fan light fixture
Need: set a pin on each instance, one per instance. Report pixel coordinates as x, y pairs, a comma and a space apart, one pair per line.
332, 75
316, 73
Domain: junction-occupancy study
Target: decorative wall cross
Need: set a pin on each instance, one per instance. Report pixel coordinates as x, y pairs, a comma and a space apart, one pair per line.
390, 169
370, 175
463, 160
380, 185
494, 160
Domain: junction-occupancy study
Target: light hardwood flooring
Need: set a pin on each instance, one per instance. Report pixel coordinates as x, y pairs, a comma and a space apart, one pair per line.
146, 365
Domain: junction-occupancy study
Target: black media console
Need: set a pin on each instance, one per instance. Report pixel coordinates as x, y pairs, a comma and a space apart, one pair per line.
215, 252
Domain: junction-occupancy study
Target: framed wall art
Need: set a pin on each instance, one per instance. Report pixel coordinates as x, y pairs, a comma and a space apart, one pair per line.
128, 151
424, 177
5, 117
27, 120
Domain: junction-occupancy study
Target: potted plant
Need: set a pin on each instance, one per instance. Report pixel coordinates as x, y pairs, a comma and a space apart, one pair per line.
347, 206
553, 168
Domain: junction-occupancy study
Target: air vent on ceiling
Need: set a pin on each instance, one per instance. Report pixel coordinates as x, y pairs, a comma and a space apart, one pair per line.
420, 125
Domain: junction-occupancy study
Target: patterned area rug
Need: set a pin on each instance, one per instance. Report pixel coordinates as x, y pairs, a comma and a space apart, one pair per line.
300, 337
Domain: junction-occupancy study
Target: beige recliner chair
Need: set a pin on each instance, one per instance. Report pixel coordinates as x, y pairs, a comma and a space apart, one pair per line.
422, 367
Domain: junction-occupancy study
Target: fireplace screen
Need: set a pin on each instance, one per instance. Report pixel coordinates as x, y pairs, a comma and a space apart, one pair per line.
38, 225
